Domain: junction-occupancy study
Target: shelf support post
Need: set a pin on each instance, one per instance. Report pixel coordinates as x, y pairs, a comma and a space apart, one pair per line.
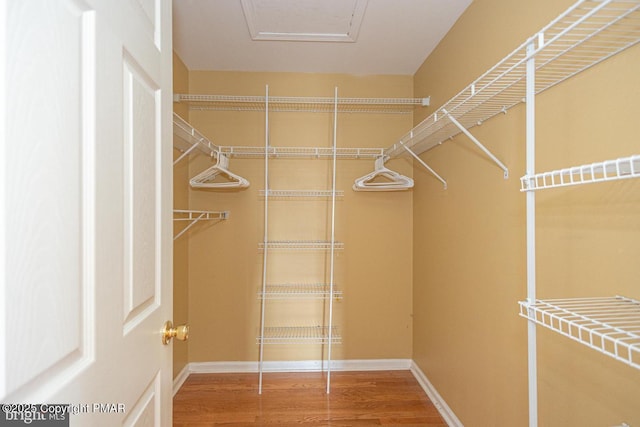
478, 143
333, 238
415, 156
531, 233
266, 235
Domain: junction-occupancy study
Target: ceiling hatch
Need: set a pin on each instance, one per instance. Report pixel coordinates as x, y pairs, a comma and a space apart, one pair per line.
304, 20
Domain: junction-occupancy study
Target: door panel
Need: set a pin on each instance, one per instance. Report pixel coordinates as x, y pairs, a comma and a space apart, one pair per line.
151, 26
146, 410
86, 208
52, 147
141, 143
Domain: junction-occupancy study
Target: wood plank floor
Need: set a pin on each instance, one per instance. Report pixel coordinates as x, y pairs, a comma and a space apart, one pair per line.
356, 399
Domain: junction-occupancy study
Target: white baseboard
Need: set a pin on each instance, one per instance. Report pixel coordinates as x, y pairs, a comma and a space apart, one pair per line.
446, 412
301, 366
181, 378
319, 365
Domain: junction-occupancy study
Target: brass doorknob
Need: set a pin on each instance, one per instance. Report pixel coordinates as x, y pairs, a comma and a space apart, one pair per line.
179, 332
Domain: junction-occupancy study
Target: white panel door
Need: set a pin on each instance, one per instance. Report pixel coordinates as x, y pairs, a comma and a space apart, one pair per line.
86, 209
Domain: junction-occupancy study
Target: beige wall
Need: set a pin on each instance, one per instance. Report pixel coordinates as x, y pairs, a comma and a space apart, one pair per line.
180, 246
433, 274
375, 268
469, 241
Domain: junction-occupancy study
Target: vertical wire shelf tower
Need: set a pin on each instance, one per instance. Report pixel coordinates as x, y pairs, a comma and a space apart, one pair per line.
326, 334
588, 33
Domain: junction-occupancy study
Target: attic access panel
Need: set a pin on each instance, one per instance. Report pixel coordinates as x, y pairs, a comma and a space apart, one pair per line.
304, 20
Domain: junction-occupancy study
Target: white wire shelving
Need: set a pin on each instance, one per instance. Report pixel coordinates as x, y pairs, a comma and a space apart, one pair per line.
586, 34
302, 152
300, 291
300, 335
610, 325
608, 170
327, 334
189, 139
322, 245
193, 217
301, 104
305, 194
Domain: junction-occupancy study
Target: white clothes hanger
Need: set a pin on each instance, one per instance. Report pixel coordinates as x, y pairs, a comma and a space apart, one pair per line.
393, 180
205, 179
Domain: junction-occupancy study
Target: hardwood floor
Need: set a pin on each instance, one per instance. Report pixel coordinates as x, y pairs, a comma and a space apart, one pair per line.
356, 399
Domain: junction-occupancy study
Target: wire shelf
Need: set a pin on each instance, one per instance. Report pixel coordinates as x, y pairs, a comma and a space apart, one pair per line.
324, 245
299, 335
301, 104
303, 152
588, 33
194, 216
300, 193
610, 325
190, 215
300, 291
609, 170
189, 138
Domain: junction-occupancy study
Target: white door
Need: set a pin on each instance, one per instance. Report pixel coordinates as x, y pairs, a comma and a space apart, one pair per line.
85, 209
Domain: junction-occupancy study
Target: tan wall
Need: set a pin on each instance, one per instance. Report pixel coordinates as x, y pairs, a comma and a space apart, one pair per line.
180, 246
374, 270
469, 241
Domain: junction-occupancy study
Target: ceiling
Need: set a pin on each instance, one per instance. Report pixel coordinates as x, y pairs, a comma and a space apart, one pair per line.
321, 36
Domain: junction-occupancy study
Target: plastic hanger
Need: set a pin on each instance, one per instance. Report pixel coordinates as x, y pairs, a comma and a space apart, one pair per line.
393, 181
205, 179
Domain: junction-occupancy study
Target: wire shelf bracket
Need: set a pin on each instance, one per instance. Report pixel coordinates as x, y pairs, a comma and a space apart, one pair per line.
193, 217
426, 166
477, 143
189, 140
185, 154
